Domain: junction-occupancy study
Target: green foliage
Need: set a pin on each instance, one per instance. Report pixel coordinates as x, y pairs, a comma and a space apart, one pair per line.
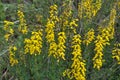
43, 67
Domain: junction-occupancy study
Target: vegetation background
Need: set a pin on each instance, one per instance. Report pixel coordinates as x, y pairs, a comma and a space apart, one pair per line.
44, 67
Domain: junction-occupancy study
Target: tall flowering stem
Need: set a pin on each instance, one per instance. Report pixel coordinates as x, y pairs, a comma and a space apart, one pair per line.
78, 69
8, 27
99, 45
22, 26
103, 39
61, 45
89, 8
50, 26
66, 15
12, 51
50, 31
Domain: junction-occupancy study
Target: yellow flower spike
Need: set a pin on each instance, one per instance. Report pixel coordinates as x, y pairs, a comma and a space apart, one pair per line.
61, 45
50, 36
89, 8
12, 59
89, 37
97, 60
53, 49
34, 44
78, 69
116, 52
8, 27
102, 40
66, 15
53, 13
22, 26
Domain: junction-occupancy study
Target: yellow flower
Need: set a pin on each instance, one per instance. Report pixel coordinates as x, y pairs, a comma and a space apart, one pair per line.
89, 8
8, 27
111, 23
53, 49
7, 36
50, 36
116, 52
97, 6
11, 31
53, 7
103, 39
66, 15
50, 31
61, 45
22, 26
12, 50
99, 46
53, 13
34, 44
73, 24
89, 37
78, 69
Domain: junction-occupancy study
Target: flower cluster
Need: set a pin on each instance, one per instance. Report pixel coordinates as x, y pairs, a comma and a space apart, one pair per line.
89, 37
66, 15
22, 26
61, 45
103, 39
116, 52
108, 32
50, 30
73, 25
53, 13
97, 5
89, 8
8, 27
112, 22
53, 49
12, 50
99, 45
78, 69
67, 9
34, 44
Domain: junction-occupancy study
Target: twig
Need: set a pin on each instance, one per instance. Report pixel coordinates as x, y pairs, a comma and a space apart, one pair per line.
4, 74
11, 78
15, 22
2, 53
